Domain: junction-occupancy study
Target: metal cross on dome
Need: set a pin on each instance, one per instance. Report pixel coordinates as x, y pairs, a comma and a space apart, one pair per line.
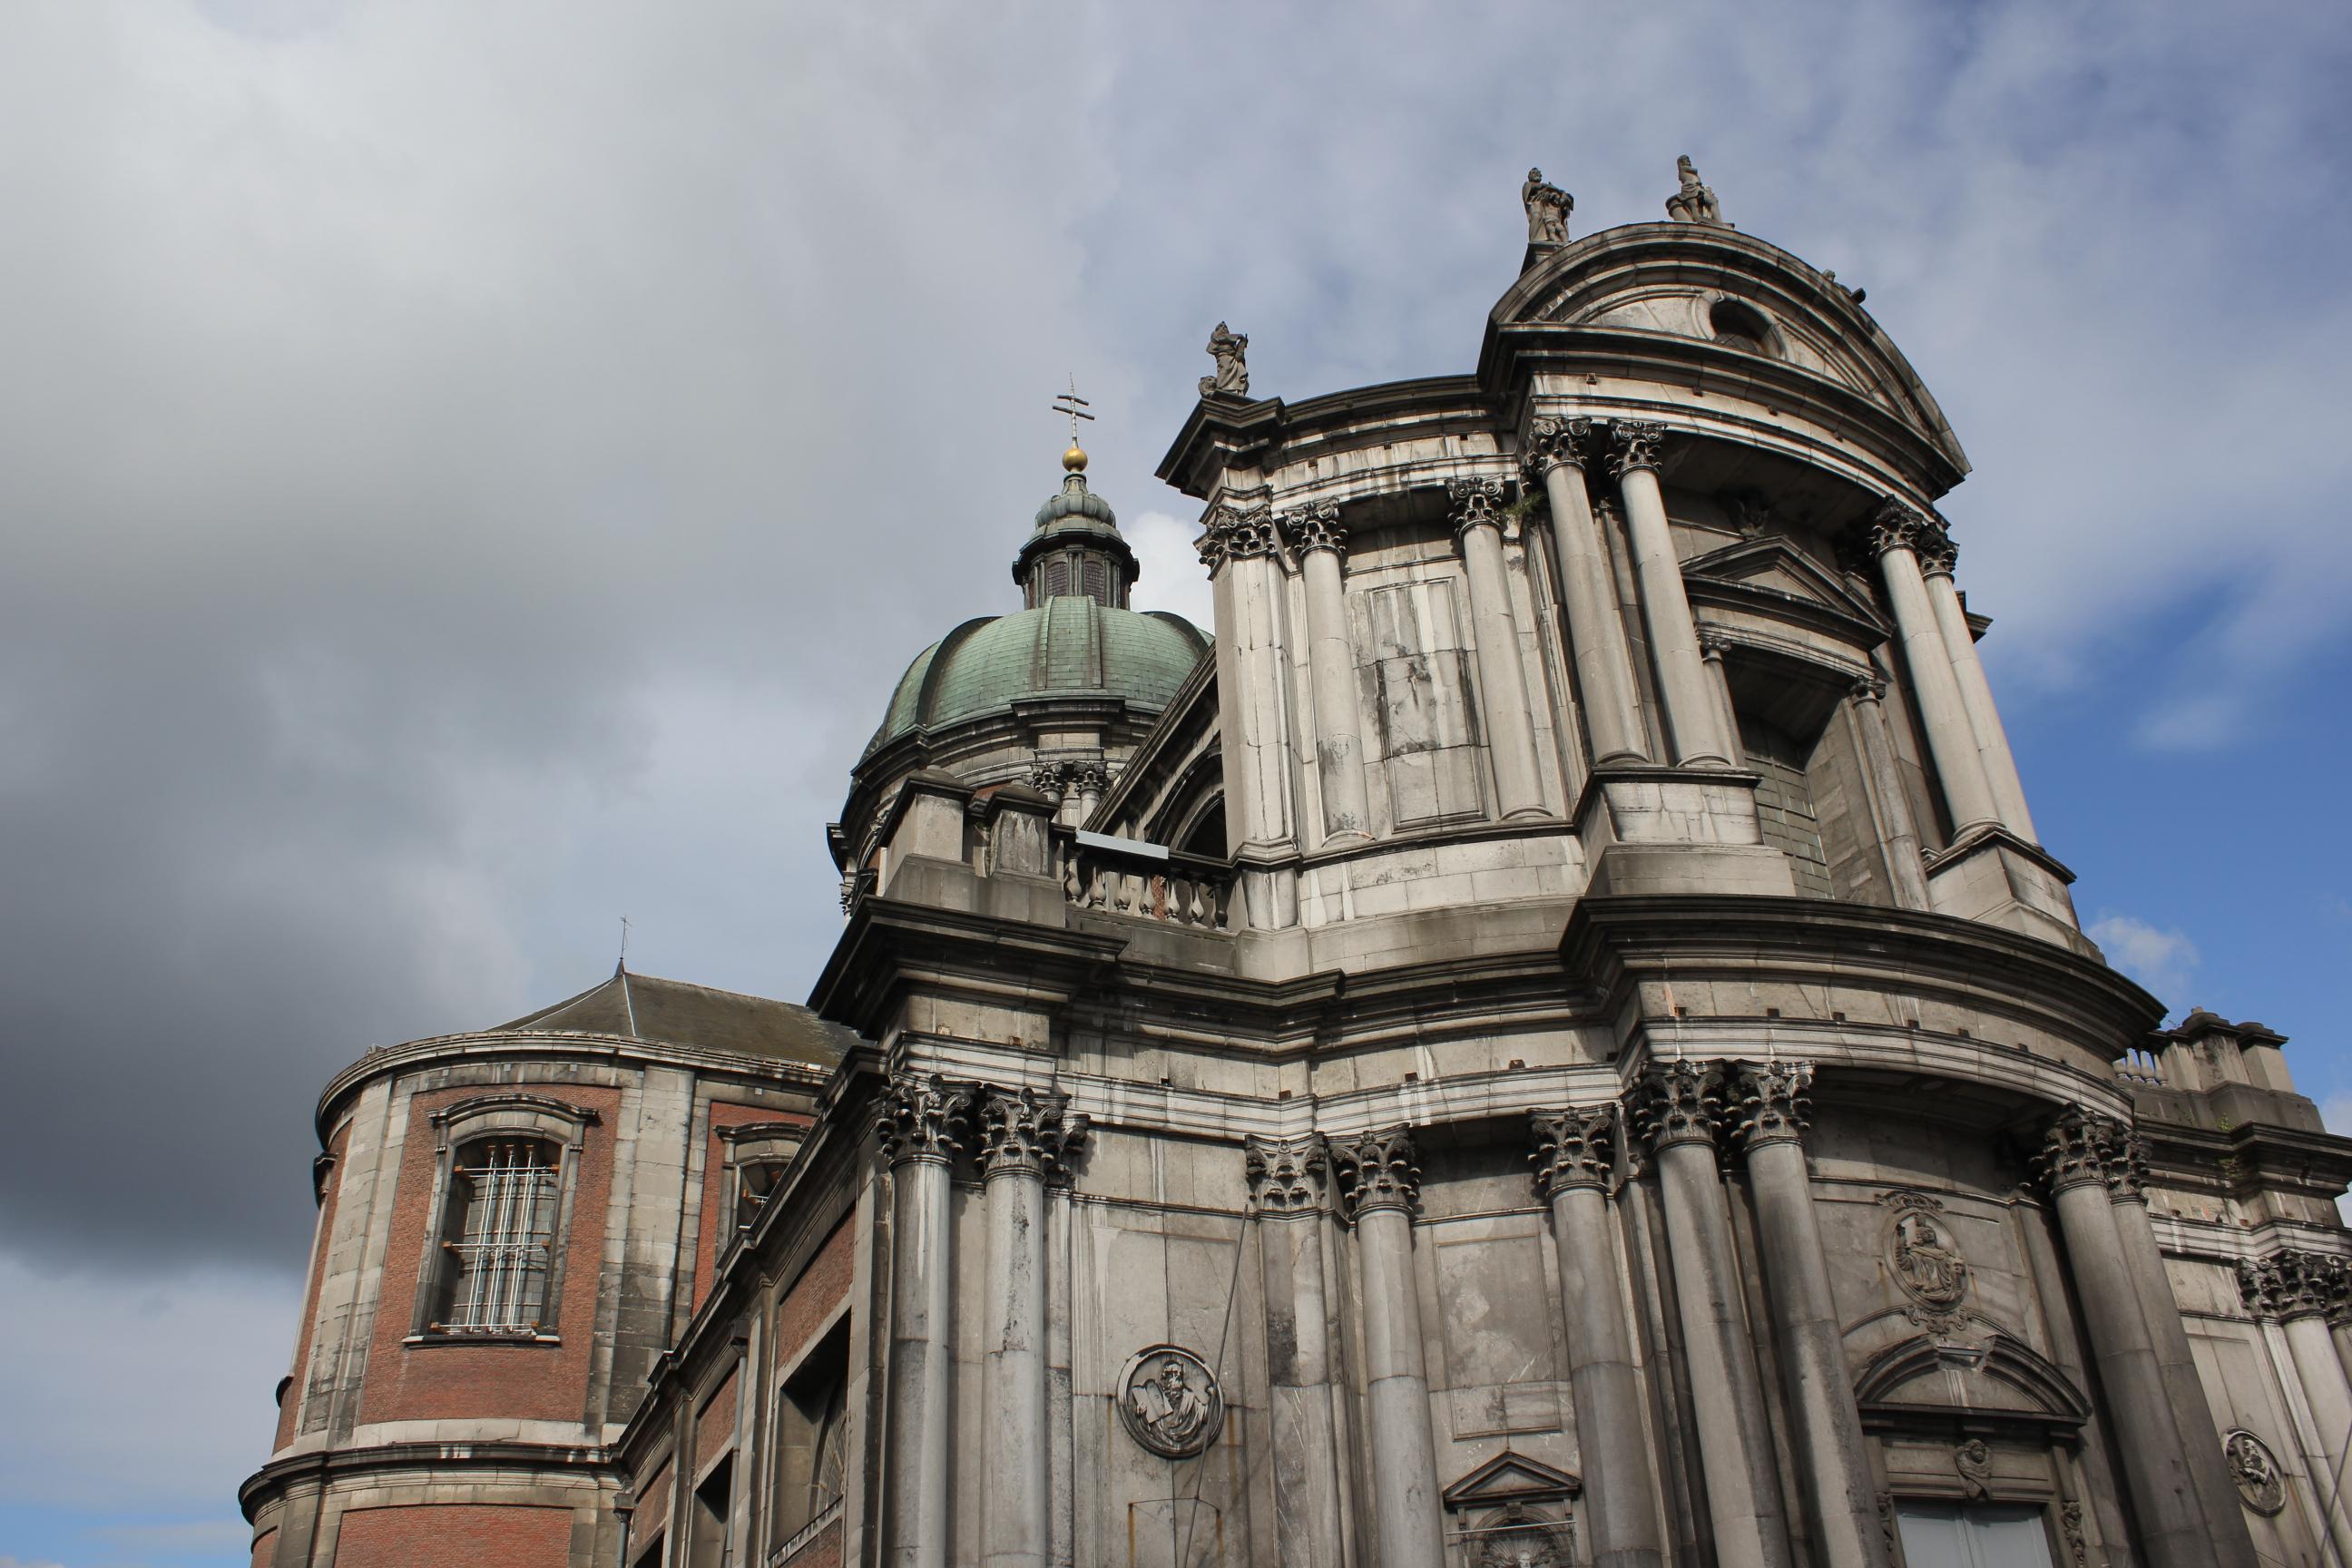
1071, 403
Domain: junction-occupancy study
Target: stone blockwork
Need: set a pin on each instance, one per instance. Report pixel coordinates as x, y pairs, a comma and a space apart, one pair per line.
1560, 1043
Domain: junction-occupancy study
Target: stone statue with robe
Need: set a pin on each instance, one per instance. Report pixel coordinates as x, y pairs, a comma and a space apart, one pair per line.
1548, 208
1694, 201
1229, 349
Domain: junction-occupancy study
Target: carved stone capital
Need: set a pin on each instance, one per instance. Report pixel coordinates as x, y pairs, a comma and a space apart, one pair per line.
2076, 1149
1868, 688
1635, 444
923, 1117
1051, 780
1316, 527
1713, 644
1890, 525
1555, 442
1773, 1102
1574, 1148
2294, 1284
1377, 1171
1286, 1174
1090, 777
1474, 503
2126, 1171
1233, 533
1938, 554
1678, 1102
1025, 1133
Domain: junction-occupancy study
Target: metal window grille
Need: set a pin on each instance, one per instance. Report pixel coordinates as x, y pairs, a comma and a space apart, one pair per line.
507, 1240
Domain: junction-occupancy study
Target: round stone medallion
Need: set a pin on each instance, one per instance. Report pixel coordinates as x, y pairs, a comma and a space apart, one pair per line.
1170, 1401
2255, 1469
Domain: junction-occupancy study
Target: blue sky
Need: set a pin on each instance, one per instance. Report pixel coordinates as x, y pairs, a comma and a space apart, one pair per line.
472, 472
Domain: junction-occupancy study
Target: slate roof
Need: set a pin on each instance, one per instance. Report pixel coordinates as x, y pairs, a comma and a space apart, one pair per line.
672, 1012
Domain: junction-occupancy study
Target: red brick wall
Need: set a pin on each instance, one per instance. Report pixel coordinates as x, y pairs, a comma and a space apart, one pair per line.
520, 1382
652, 1504
292, 1402
264, 1546
714, 1429
455, 1535
716, 1227
821, 1549
822, 1286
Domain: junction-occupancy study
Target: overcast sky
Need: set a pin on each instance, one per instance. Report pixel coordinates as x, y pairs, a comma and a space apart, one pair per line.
471, 471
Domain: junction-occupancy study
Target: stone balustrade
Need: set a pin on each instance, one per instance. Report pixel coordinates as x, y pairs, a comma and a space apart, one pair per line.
1146, 881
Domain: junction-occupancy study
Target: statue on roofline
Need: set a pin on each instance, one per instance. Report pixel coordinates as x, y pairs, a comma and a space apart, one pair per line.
1548, 208
1229, 349
1695, 202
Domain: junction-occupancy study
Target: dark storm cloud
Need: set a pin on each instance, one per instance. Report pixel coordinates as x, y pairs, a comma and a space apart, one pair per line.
470, 473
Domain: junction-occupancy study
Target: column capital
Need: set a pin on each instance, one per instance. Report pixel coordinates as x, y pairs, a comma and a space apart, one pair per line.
2076, 1149
2292, 1284
1376, 1170
1713, 644
1474, 503
1555, 442
1051, 780
1316, 526
1574, 1148
1635, 444
1678, 1102
2126, 1171
1938, 554
1237, 534
1089, 776
1025, 1133
1773, 1103
1286, 1174
1868, 688
1892, 526
923, 1118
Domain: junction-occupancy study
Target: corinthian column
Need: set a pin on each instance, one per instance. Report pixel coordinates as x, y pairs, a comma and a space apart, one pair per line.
1938, 557
2074, 1160
1676, 1113
1478, 516
1023, 1136
1285, 1177
1575, 1156
920, 1124
2217, 1493
2297, 1290
1894, 534
1383, 1183
1322, 544
1773, 1104
1241, 549
1556, 454
1693, 723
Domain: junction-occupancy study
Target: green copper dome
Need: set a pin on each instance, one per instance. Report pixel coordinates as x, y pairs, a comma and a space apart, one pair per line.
1070, 646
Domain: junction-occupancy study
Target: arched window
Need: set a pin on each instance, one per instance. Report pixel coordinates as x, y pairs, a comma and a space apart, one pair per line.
754, 1182
1740, 326
504, 1194
493, 1263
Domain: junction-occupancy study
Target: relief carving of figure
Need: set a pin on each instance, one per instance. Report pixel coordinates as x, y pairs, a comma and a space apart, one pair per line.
1548, 208
2256, 1473
1169, 1402
1695, 202
1929, 1268
1230, 350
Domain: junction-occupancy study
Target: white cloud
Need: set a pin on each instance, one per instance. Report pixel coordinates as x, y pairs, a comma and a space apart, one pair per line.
1172, 576
2160, 960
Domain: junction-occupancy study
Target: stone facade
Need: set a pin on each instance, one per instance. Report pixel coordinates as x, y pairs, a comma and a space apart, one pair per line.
1559, 1043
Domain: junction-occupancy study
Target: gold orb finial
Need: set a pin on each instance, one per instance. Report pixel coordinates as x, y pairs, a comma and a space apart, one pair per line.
1075, 460
1071, 405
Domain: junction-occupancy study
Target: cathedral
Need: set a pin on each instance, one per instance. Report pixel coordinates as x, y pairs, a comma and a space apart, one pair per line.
1545, 1036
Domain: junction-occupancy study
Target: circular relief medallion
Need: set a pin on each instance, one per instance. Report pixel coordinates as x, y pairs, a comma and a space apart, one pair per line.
1922, 1258
2255, 1469
1170, 1401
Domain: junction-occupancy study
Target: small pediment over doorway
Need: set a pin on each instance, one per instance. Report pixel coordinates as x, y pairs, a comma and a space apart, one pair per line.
1775, 567
1512, 1512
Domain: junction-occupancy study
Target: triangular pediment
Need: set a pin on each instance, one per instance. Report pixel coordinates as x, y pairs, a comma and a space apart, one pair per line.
1774, 566
1511, 1477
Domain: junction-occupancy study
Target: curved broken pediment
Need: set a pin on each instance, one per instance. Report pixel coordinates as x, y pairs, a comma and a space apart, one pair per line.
1999, 1375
